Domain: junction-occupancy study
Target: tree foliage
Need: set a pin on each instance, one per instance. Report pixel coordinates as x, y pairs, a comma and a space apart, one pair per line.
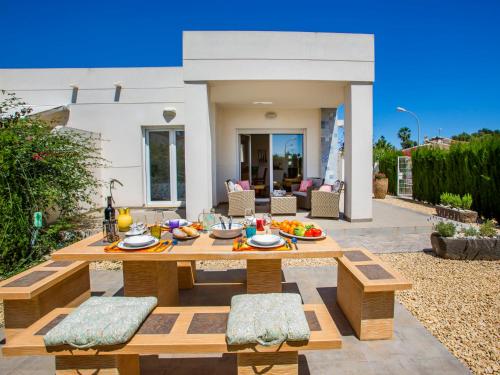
404, 134
466, 137
40, 170
387, 157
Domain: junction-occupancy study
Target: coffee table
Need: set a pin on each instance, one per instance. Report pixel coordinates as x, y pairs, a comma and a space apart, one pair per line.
284, 205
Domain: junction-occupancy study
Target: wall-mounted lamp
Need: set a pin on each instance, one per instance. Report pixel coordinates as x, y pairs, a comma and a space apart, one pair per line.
118, 91
271, 115
74, 93
169, 113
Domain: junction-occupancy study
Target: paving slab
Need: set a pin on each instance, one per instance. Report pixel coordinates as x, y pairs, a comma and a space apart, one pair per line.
413, 350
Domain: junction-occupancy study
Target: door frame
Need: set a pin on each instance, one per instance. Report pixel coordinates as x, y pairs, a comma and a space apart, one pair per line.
246, 131
173, 202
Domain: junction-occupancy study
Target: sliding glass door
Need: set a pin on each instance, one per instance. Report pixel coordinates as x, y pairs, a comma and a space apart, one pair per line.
165, 171
271, 160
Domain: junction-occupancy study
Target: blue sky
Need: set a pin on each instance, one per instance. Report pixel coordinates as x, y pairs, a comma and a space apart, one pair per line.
441, 59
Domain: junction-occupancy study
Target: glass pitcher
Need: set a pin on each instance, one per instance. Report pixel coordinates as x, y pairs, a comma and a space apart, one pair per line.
207, 219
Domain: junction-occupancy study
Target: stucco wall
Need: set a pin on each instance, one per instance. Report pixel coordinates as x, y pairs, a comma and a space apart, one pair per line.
145, 93
229, 120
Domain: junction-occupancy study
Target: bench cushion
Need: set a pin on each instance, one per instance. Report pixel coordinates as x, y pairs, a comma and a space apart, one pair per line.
101, 321
266, 319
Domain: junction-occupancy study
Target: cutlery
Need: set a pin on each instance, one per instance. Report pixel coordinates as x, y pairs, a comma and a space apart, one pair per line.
230, 221
223, 225
174, 242
294, 241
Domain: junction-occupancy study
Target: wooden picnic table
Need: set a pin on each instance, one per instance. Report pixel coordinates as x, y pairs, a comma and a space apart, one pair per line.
155, 274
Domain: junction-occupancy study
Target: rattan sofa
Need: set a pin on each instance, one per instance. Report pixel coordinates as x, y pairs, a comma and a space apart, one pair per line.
239, 201
326, 203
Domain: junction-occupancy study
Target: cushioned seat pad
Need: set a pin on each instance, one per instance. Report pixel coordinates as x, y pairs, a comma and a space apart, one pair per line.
101, 321
266, 319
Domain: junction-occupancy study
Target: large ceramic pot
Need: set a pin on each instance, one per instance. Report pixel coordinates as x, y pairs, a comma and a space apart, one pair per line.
380, 186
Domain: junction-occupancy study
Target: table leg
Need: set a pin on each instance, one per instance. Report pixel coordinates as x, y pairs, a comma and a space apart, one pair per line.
145, 278
268, 363
264, 276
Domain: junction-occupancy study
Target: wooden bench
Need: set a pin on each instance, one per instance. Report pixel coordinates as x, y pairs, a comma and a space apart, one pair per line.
365, 293
178, 330
31, 294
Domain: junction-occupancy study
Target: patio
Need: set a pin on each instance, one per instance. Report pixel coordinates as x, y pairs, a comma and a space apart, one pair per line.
412, 350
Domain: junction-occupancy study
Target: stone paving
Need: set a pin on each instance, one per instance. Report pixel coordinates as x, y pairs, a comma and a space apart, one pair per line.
413, 350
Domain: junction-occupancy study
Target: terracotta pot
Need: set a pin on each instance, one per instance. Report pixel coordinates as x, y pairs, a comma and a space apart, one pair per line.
380, 186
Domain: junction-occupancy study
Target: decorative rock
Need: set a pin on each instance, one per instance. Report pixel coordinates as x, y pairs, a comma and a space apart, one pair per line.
466, 248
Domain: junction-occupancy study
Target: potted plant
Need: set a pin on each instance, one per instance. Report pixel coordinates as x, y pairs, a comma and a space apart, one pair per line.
457, 208
455, 241
380, 185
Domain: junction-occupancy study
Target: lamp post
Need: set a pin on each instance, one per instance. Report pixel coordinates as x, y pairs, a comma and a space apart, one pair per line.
401, 109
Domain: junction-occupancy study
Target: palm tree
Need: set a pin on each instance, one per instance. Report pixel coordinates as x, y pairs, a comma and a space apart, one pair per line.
404, 134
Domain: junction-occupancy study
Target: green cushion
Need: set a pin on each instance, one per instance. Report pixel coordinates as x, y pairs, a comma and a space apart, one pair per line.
101, 321
266, 319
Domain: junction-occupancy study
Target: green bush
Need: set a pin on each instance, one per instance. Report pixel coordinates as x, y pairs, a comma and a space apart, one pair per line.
388, 164
466, 202
445, 228
470, 232
40, 170
487, 229
472, 167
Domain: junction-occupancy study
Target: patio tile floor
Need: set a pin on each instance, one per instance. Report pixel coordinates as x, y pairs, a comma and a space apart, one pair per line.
413, 350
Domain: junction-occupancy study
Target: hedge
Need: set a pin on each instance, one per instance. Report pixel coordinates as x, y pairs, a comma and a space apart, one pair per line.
472, 167
388, 164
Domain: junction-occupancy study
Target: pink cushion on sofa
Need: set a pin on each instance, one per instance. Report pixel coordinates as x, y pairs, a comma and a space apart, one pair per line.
327, 188
245, 184
304, 184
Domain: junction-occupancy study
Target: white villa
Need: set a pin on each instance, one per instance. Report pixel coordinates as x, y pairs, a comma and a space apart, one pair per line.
244, 105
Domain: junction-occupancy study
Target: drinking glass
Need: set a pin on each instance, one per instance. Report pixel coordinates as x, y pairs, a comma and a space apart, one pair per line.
267, 222
156, 228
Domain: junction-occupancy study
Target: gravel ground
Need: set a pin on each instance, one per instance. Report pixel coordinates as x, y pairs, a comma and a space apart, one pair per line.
458, 302
409, 204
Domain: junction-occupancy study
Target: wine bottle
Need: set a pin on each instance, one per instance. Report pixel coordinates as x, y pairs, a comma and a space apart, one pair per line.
109, 212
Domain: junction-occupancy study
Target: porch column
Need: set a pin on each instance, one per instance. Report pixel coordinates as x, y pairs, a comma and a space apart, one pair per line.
198, 149
358, 130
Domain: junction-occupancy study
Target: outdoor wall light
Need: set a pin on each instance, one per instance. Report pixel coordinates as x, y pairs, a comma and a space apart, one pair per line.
271, 115
169, 113
262, 103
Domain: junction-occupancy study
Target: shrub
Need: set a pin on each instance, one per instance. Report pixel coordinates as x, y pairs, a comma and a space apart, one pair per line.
470, 232
445, 228
487, 229
388, 164
41, 170
472, 167
466, 202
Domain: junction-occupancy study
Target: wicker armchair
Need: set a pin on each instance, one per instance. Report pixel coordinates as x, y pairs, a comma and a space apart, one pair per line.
326, 203
304, 198
239, 201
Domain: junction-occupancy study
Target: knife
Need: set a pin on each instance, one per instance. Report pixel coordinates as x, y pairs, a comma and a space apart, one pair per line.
294, 241
223, 225
230, 221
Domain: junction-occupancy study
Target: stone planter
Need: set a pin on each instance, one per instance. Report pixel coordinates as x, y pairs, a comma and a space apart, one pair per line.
463, 216
466, 248
380, 186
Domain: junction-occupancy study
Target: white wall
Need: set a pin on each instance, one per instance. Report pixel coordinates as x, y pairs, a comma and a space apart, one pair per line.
234, 55
145, 93
229, 120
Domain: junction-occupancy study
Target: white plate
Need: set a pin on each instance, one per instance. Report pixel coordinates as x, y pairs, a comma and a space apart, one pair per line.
323, 235
138, 241
279, 244
266, 239
123, 246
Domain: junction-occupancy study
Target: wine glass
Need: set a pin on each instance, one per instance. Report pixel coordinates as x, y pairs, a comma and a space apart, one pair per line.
267, 222
249, 216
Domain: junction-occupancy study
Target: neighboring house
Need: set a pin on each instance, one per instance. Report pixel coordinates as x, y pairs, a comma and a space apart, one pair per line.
242, 104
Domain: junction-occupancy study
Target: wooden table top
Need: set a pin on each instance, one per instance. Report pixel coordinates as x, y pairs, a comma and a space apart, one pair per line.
204, 247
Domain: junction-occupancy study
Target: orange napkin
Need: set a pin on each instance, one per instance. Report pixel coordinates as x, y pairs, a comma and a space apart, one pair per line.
158, 248
244, 246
